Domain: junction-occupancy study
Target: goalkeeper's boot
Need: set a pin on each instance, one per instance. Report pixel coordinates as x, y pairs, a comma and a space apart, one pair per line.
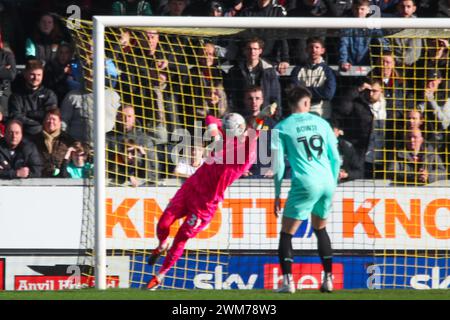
327, 283
154, 283
156, 253
288, 285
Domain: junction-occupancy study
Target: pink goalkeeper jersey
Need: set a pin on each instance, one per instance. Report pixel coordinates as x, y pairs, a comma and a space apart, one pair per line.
221, 169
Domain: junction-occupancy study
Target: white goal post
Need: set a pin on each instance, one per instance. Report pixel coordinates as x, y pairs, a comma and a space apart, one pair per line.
99, 24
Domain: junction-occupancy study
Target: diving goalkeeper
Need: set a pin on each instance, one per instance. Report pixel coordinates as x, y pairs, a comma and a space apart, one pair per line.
311, 149
198, 198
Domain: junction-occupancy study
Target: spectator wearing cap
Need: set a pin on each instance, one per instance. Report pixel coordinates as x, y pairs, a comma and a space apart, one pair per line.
132, 8
31, 99
253, 71
276, 50
351, 163
417, 163
19, 158
52, 143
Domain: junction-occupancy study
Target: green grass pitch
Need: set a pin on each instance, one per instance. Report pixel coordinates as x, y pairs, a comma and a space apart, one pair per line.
135, 294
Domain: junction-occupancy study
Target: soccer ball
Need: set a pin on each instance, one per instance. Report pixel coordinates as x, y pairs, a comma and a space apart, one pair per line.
233, 124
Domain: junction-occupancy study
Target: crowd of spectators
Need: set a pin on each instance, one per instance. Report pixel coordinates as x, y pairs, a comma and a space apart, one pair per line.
391, 123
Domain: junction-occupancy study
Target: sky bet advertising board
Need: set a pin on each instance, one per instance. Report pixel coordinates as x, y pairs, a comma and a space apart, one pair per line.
246, 272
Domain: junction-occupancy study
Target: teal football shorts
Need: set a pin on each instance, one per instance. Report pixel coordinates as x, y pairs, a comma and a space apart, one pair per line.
315, 199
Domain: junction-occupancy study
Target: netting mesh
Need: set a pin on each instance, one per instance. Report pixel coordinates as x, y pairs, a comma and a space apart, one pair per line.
412, 68
391, 224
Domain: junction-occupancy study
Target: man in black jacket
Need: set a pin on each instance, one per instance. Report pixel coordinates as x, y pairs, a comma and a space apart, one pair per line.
7, 74
30, 101
276, 50
352, 165
254, 71
18, 158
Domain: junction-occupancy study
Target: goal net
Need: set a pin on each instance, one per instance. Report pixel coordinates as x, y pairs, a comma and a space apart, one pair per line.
390, 221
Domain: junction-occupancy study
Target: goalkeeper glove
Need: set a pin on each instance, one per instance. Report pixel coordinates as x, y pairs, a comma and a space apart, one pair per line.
265, 113
213, 130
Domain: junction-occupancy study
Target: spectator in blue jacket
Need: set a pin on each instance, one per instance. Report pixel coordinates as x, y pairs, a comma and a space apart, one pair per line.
354, 44
318, 77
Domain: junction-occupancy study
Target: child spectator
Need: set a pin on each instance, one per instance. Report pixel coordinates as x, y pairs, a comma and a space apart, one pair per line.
75, 164
318, 77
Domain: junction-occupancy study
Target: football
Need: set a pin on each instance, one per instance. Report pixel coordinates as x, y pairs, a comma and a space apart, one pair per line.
233, 124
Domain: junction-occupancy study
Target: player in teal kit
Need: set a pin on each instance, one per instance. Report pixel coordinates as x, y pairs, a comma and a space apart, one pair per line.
311, 149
